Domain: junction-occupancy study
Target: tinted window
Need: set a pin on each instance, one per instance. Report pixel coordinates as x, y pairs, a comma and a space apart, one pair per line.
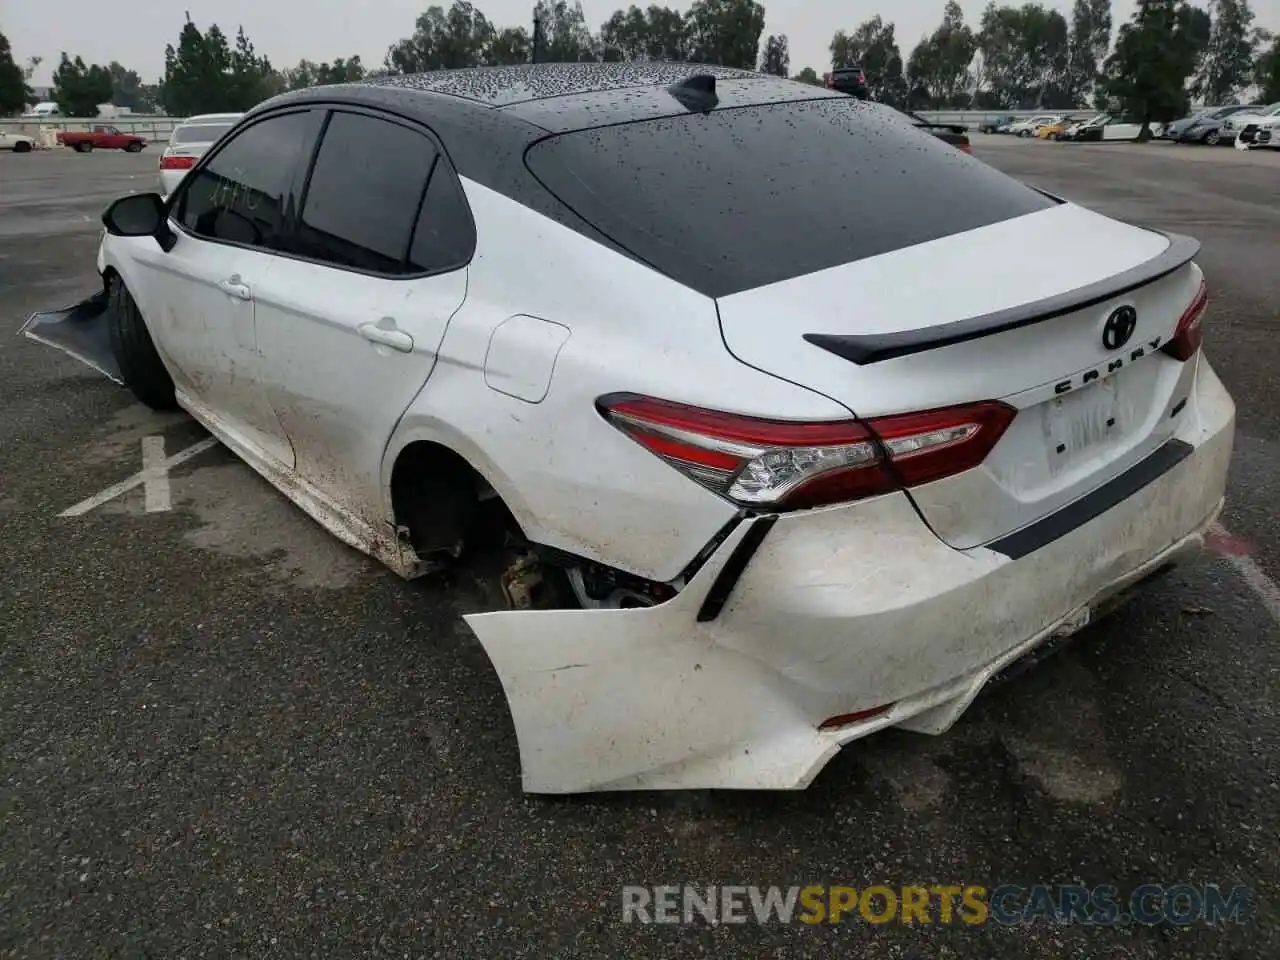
365, 194
244, 194
199, 133
444, 237
737, 199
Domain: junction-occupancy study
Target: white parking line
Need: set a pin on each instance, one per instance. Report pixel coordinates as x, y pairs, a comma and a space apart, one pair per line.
155, 482
154, 474
1253, 575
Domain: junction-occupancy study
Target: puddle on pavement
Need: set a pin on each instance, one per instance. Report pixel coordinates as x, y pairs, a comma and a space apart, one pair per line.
122, 433
242, 516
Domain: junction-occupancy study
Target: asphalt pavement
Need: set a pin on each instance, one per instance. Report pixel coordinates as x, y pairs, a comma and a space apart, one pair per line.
222, 733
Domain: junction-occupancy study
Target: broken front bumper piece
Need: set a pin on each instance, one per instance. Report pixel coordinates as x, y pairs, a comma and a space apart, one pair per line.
80, 332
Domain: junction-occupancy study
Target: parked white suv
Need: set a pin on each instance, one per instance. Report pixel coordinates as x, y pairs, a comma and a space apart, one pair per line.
188, 143
601, 353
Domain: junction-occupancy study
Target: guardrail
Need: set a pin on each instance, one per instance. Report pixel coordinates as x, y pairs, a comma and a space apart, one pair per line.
971, 118
154, 129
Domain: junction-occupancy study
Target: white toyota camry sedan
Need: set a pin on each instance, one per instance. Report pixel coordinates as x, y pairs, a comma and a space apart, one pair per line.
787, 421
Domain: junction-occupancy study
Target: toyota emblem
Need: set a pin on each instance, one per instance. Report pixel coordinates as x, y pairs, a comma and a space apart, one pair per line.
1119, 327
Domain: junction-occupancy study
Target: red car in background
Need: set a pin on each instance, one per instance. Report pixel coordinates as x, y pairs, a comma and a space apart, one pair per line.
102, 137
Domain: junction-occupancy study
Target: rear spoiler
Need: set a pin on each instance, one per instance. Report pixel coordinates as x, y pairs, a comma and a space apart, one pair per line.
864, 349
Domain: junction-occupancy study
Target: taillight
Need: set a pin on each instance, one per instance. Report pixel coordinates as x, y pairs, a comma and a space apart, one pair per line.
177, 163
1189, 335
964, 148
831, 80
788, 464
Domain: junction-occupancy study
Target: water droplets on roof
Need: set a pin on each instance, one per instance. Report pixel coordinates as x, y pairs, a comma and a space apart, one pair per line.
500, 86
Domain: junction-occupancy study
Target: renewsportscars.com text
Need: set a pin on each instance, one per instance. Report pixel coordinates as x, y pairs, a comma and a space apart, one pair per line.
1180, 904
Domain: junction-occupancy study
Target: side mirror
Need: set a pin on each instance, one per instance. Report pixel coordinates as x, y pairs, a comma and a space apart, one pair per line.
140, 215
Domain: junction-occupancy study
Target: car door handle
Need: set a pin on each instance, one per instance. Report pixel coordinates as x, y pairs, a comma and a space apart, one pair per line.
235, 287
388, 334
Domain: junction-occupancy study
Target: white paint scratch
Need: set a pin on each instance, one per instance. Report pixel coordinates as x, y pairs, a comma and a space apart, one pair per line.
152, 471
1254, 576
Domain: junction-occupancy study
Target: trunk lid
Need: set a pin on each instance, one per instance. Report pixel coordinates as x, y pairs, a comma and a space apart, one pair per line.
1087, 409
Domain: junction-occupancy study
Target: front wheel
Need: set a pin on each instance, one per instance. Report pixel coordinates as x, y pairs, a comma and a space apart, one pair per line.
22, 147
1211, 138
1024, 133
141, 368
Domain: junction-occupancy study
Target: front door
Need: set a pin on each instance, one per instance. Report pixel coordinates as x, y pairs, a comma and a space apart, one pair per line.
231, 215
349, 327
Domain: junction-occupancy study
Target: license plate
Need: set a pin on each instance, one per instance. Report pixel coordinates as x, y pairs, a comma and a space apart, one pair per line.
1082, 420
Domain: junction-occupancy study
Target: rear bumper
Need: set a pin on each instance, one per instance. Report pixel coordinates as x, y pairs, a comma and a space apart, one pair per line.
837, 611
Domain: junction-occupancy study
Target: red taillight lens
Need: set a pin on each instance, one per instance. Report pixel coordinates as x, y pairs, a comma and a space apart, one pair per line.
786, 464
177, 163
1189, 335
831, 80
964, 148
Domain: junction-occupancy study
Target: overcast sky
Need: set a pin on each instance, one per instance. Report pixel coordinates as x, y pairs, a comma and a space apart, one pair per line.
136, 31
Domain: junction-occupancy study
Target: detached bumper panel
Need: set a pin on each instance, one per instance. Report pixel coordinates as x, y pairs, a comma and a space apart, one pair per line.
80, 332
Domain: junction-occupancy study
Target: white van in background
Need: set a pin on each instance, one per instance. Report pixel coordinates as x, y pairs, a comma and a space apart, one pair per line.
47, 109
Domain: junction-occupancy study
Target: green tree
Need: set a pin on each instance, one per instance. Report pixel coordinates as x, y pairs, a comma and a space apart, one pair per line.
14, 92
938, 68
1228, 55
126, 88
78, 88
443, 41
1088, 44
625, 35
776, 58
565, 36
197, 72
872, 46
1266, 73
310, 74
1156, 52
655, 33
725, 32
808, 75
1025, 55
251, 77
508, 46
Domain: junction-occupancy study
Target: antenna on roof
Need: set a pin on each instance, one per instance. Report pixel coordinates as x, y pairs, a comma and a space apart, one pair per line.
696, 93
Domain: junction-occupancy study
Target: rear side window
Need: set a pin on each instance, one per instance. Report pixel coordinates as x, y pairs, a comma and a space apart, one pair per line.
199, 133
365, 194
736, 199
244, 194
444, 237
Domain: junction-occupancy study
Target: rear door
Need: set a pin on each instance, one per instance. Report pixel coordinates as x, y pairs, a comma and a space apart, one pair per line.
349, 324
830, 220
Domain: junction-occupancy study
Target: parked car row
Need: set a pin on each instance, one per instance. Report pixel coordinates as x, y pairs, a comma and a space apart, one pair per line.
1066, 126
1244, 125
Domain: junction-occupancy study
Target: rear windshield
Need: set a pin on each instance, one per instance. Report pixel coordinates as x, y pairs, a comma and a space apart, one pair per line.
200, 132
740, 198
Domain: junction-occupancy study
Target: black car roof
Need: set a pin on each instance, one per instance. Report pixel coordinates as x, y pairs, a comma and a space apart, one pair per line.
519, 83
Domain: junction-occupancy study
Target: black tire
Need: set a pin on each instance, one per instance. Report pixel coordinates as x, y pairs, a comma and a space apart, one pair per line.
22, 147
134, 147
140, 366
84, 146
1024, 133
1211, 138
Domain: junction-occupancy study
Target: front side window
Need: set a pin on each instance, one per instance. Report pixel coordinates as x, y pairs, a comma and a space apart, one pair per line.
365, 194
245, 193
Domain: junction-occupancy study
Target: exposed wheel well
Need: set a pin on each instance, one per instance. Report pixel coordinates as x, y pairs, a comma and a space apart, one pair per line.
444, 503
